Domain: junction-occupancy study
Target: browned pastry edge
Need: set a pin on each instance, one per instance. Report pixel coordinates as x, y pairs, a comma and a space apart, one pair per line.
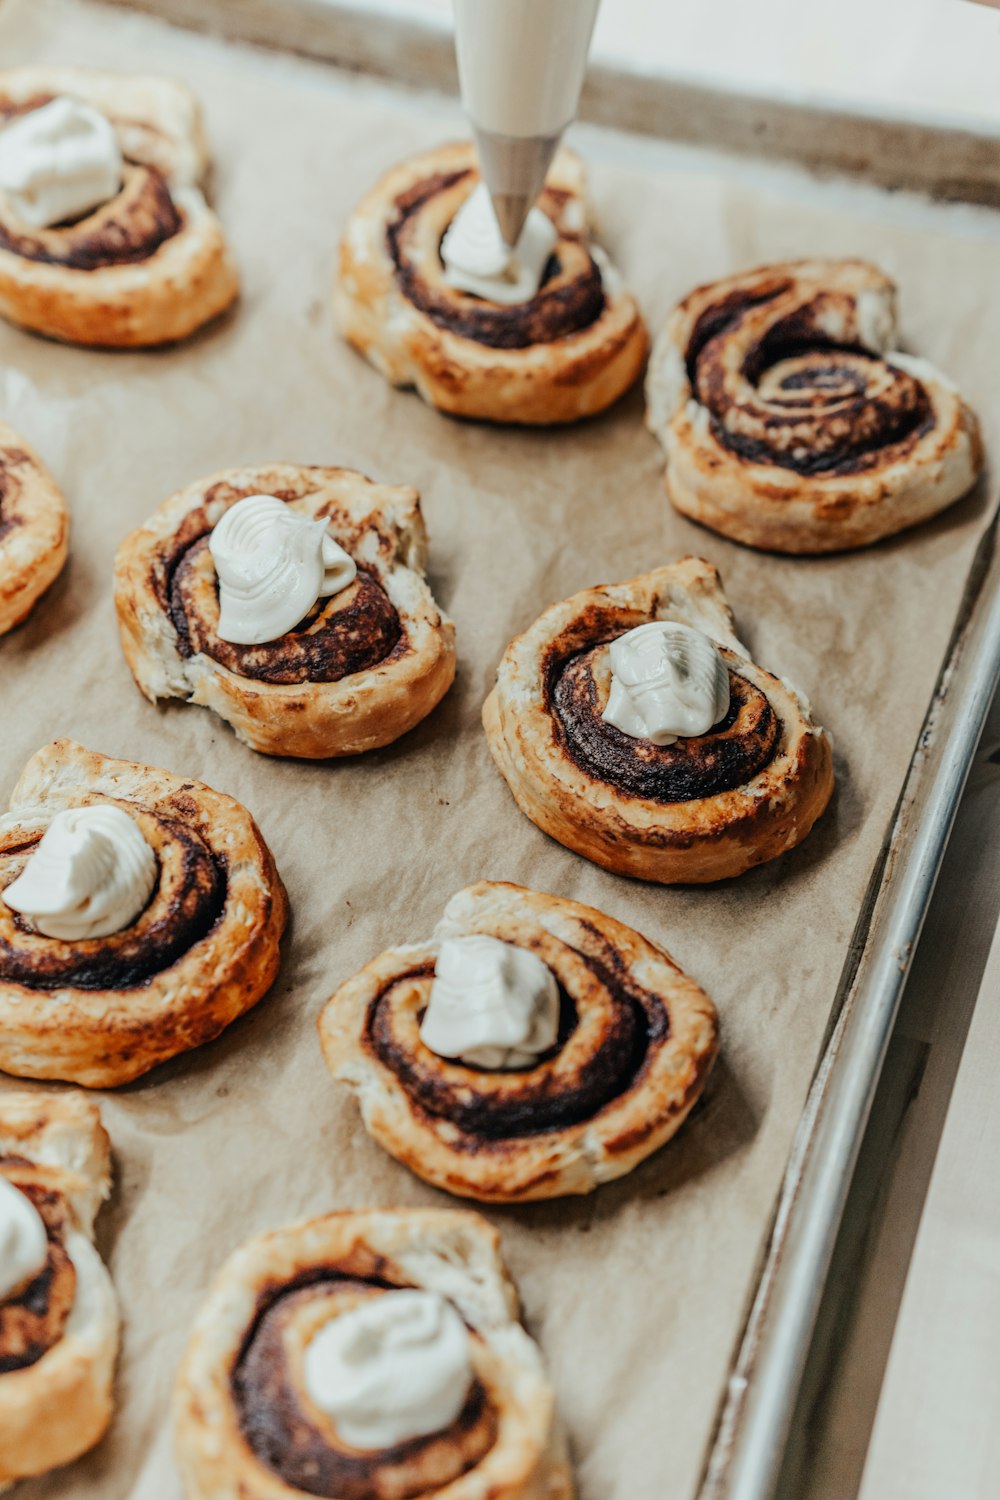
630, 1064
100, 1014
687, 842
788, 420
148, 267
382, 652
58, 1403
567, 354
507, 1443
34, 529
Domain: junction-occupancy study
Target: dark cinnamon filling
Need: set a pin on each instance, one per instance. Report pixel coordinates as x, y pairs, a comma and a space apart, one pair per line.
819, 406
348, 632
729, 755
284, 1435
130, 227
173, 921
491, 1107
11, 459
33, 1318
564, 304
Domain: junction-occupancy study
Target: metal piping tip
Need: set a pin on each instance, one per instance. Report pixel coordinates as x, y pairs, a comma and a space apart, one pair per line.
512, 210
514, 169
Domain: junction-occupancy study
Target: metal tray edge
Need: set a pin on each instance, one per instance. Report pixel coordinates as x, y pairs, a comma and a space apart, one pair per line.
758, 1405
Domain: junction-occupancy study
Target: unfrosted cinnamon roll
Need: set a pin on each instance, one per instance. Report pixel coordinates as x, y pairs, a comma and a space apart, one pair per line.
140, 913
293, 602
532, 1048
105, 235
58, 1314
790, 420
631, 725
551, 337
34, 529
367, 1356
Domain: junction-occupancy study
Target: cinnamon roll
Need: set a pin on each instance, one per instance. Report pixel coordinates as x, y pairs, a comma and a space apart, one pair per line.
372, 1355
791, 421
532, 1048
34, 529
140, 913
58, 1313
426, 290
105, 235
631, 725
293, 602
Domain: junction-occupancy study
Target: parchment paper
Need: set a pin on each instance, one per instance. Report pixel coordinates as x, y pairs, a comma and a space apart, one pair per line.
637, 1293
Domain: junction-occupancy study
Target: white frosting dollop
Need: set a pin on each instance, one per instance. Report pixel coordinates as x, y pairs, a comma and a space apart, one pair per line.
273, 564
396, 1367
492, 1004
477, 260
58, 162
91, 874
668, 681
24, 1245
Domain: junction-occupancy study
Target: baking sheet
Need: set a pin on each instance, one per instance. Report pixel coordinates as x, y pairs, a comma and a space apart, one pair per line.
637, 1294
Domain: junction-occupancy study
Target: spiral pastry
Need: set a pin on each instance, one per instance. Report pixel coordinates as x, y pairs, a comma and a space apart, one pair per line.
101, 1011
34, 529
568, 352
704, 808
58, 1328
362, 668
247, 1427
635, 1043
148, 266
789, 420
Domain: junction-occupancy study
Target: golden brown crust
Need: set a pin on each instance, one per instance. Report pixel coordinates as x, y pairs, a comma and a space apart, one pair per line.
636, 1046
217, 1405
571, 352
205, 949
57, 1403
34, 529
302, 695
790, 422
150, 266
694, 839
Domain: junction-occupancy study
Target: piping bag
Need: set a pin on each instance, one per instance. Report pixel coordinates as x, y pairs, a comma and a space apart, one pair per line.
520, 66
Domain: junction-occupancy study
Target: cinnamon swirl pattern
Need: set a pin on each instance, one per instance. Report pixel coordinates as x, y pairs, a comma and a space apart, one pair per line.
59, 1327
568, 352
34, 529
791, 422
700, 809
148, 265
101, 1011
362, 668
636, 1041
247, 1427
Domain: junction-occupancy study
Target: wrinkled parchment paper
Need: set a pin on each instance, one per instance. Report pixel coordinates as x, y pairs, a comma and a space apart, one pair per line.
637, 1294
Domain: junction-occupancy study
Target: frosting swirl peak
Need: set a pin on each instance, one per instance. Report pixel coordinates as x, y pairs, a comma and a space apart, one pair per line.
58, 162
668, 682
477, 260
24, 1243
396, 1367
90, 875
492, 1004
272, 565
